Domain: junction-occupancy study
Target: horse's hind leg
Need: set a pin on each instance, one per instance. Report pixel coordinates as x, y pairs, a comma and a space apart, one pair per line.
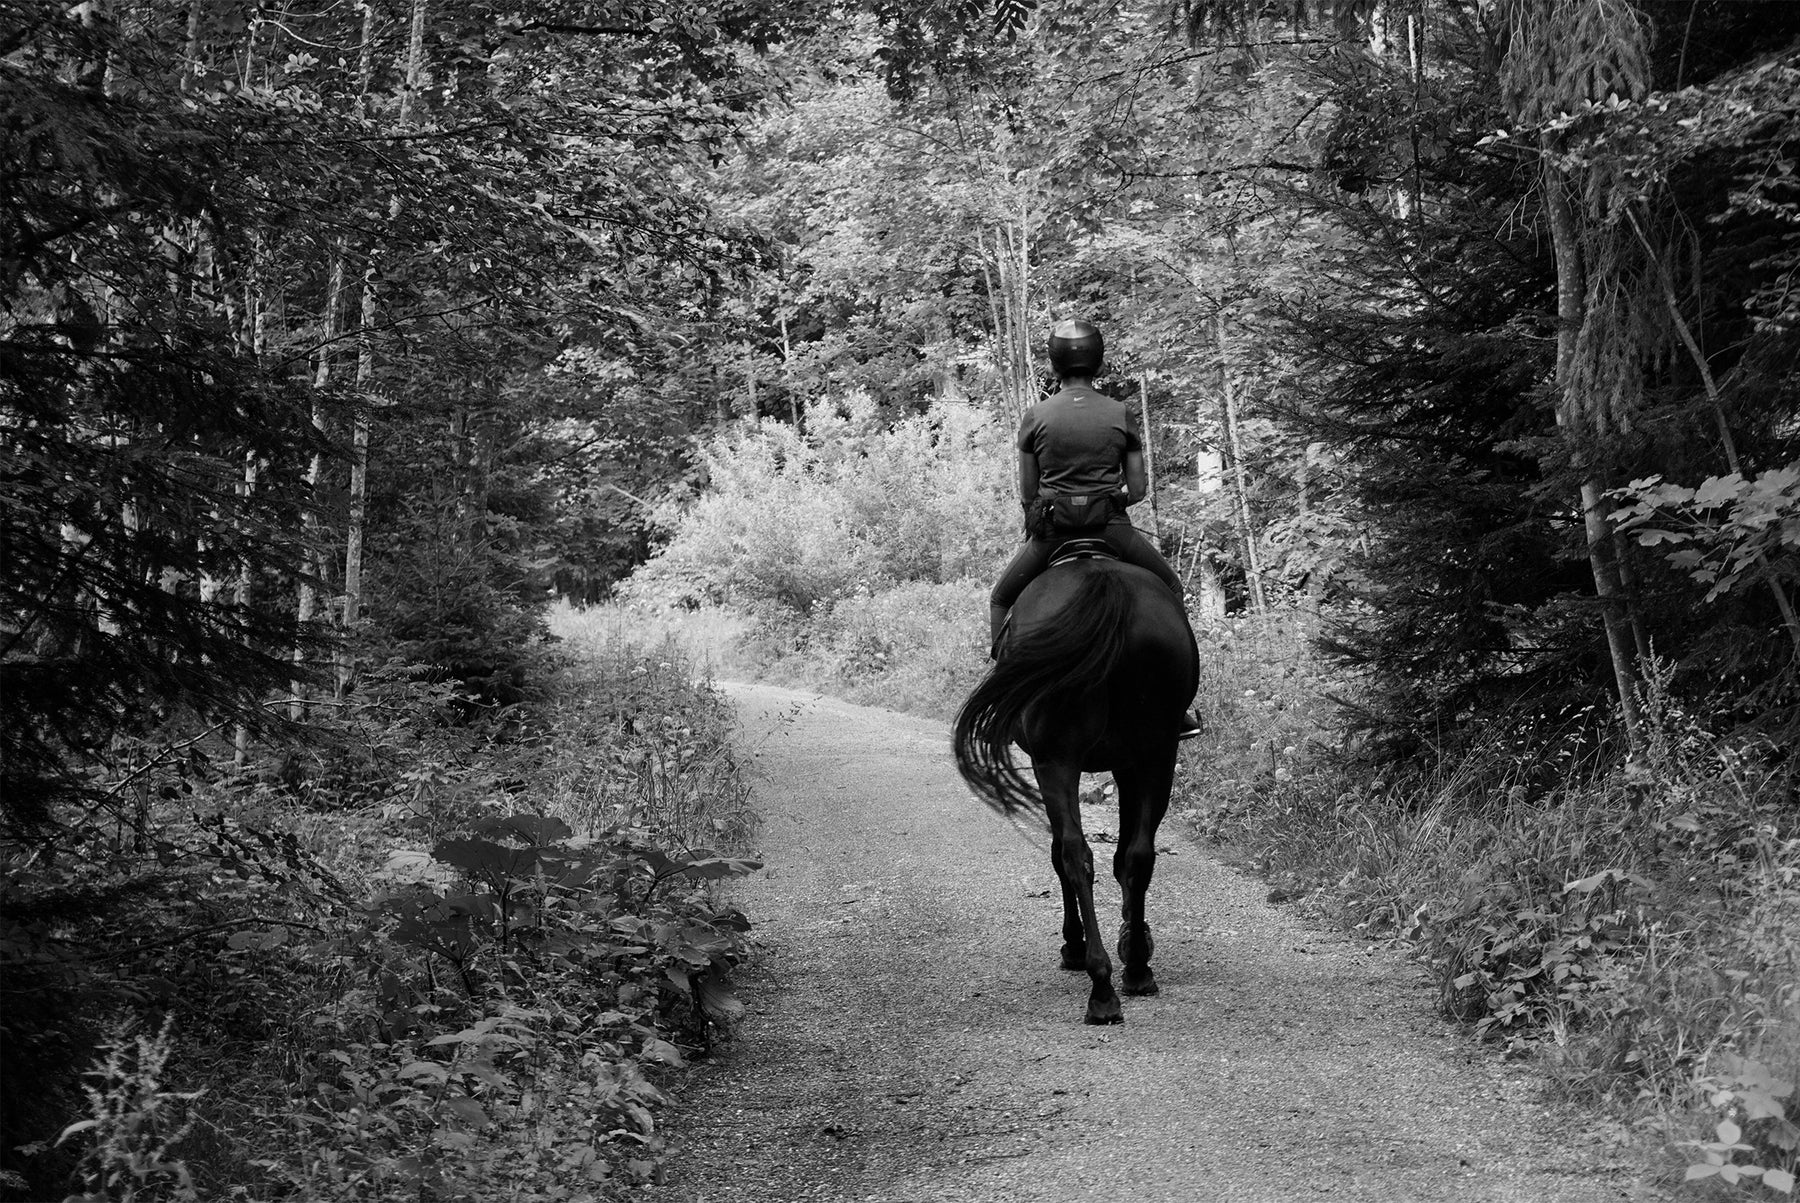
1074, 862
1074, 934
1143, 800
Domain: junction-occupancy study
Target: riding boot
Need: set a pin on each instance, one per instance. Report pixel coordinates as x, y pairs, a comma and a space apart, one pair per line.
996, 626
1190, 721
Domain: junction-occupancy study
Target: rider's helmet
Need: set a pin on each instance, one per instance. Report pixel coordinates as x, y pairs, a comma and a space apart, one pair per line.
1076, 348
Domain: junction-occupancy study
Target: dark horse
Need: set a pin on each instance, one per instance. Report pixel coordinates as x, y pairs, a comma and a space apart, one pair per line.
1093, 675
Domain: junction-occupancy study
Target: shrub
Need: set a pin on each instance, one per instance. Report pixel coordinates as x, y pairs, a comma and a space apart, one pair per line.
919, 647
454, 963
793, 523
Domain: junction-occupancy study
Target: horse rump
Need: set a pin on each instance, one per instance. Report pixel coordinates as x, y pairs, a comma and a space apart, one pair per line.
1053, 661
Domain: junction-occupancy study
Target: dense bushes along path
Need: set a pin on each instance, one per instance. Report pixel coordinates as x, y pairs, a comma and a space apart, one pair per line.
910, 1038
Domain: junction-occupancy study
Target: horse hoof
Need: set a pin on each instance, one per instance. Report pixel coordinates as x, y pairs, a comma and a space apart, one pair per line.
1074, 958
1100, 1017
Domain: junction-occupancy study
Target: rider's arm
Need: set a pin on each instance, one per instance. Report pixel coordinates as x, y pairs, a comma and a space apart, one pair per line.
1137, 477
1028, 477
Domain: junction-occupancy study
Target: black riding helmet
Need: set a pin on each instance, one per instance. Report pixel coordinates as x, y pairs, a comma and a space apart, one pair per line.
1076, 348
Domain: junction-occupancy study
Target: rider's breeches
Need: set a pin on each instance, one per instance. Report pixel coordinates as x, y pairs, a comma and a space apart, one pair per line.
1034, 556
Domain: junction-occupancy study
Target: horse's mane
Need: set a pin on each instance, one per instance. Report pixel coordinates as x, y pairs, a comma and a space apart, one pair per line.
1057, 659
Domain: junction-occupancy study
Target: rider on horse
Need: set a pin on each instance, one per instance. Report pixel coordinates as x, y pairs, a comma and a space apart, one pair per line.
1081, 462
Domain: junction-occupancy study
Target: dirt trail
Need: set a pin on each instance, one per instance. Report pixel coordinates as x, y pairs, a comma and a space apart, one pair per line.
910, 1038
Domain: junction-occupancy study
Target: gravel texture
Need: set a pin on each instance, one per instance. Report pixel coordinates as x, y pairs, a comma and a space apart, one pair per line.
910, 1037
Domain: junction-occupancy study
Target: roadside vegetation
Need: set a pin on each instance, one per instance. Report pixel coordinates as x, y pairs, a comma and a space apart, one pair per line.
450, 960
1632, 929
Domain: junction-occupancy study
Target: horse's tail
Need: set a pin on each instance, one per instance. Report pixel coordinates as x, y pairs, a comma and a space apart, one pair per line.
1053, 664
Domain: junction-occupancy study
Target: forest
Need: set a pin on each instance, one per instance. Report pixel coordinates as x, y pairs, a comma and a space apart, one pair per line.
406, 406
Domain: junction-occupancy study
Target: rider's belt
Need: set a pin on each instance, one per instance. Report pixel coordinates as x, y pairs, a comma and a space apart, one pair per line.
1066, 513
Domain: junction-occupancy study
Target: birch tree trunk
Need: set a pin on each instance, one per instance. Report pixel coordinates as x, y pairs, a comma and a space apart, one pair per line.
1241, 512
306, 606
1149, 455
358, 494
256, 334
1209, 477
240, 749
787, 349
1008, 275
365, 354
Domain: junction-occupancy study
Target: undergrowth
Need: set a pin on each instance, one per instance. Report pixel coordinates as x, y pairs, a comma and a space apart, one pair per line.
437, 960
918, 647
1635, 930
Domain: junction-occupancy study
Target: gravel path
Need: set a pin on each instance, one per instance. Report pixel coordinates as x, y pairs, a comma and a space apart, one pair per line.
910, 1038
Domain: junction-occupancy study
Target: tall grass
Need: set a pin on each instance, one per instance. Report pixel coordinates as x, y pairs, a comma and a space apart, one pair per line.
1634, 929
646, 742
706, 641
919, 647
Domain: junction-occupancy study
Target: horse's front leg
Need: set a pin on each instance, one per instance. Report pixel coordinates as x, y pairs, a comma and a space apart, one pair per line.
1143, 800
1074, 864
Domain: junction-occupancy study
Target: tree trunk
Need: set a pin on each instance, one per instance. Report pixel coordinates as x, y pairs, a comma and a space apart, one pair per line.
787, 354
359, 433
240, 596
355, 534
1304, 482
1027, 386
190, 67
1209, 475
1149, 457
1241, 512
255, 334
359, 486
1009, 299
306, 607
1571, 288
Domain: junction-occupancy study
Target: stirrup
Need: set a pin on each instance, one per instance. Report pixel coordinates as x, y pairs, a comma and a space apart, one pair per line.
1190, 727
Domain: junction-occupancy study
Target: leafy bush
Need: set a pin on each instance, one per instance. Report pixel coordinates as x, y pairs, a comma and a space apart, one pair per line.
794, 523
453, 961
858, 552
918, 647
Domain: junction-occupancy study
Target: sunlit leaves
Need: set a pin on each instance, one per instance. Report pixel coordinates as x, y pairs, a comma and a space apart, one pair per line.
1723, 531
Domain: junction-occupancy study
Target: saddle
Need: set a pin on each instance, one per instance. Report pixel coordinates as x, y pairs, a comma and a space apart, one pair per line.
1082, 549
1066, 551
